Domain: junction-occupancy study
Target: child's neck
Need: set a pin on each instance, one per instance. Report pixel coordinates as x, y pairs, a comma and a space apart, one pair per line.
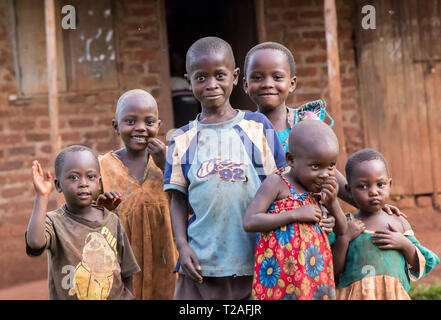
131, 155
277, 116
363, 215
298, 187
88, 213
217, 115
135, 161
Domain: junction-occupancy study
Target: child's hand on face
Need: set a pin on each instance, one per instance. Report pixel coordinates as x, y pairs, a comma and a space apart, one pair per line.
109, 200
157, 149
355, 228
307, 213
390, 239
42, 181
329, 191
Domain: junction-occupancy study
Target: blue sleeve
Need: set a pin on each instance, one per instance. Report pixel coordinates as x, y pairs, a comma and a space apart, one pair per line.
274, 142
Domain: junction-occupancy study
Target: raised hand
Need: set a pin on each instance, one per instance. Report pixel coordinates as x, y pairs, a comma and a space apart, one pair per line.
109, 200
42, 181
157, 149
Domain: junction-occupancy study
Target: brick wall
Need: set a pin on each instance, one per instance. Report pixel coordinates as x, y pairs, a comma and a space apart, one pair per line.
85, 118
299, 25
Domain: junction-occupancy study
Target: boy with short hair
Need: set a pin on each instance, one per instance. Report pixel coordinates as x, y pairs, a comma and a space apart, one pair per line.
90, 257
216, 164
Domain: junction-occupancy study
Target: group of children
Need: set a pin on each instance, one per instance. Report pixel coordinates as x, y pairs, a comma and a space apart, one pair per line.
241, 205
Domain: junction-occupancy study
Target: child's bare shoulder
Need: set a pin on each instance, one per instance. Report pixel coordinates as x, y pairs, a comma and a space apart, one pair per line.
399, 223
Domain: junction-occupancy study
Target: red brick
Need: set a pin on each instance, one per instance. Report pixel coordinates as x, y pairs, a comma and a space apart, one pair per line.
10, 138
70, 136
98, 134
22, 150
316, 58
143, 55
13, 192
10, 165
81, 123
149, 81
306, 72
312, 14
21, 125
313, 34
37, 137
75, 99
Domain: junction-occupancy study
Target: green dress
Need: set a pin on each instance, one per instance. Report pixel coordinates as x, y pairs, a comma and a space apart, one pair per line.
373, 273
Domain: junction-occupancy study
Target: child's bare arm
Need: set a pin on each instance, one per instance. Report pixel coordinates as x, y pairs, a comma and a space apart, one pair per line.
188, 259
257, 220
35, 236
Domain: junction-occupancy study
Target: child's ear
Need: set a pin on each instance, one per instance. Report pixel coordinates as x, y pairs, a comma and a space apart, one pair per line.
236, 74
390, 182
159, 122
293, 84
289, 159
57, 185
115, 126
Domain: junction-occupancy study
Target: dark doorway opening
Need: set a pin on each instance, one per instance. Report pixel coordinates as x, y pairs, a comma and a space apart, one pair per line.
187, 21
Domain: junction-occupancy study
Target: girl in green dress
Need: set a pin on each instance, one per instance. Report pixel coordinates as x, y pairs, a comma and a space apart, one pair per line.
378, 255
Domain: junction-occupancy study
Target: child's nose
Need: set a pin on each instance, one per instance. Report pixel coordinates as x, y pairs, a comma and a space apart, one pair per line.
211, 84
140, 126
373, 191
83, 182
267, 83
323, 174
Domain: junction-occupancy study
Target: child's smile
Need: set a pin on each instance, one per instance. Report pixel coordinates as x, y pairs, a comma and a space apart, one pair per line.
268, 81
137, 122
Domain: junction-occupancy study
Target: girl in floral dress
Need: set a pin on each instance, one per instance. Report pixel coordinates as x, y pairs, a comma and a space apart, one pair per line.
293, 258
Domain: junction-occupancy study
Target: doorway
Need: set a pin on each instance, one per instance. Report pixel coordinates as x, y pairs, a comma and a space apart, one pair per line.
187, 21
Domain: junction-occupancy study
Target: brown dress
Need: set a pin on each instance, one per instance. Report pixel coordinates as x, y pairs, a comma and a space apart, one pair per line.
145, 215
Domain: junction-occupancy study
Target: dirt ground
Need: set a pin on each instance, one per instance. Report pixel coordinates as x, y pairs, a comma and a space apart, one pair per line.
426, 223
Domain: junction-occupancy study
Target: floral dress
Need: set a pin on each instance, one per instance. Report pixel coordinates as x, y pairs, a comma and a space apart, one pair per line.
293, 262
